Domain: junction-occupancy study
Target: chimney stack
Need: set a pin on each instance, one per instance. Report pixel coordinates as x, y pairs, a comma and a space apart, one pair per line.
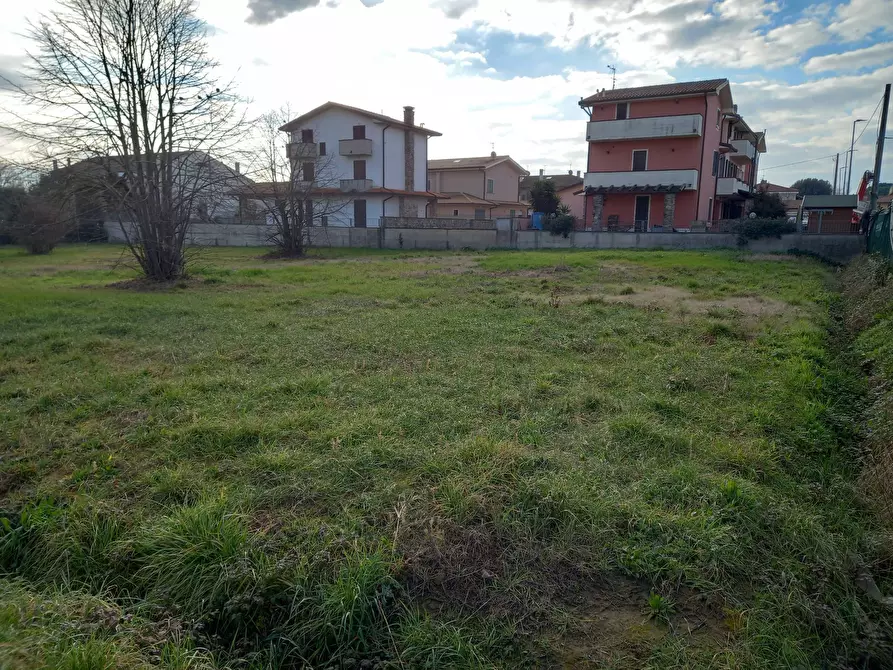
570, 172
578, 173
492, 154
55, 165
542, 172
238, 168
408, 209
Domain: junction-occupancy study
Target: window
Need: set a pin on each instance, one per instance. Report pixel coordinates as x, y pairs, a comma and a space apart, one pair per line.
307, 169
359, 132
715, 162
308, 212
359, 169
640, 160
455, 212
322, 148
718, 117
480, 214
429, 185
512, 213
622, 110
307, 136
324, 220
359, 213
710, 209
489, 186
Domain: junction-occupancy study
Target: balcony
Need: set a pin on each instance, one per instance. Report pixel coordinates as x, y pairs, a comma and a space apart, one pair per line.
300, 150
355, 147
642, 180
731, 186
355, 185
744, 152
655, 127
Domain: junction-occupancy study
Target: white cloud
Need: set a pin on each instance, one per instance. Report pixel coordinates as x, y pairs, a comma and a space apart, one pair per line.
877, 54
858, 18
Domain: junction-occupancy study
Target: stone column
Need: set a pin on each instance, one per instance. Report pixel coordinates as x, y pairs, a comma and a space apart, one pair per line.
669, 209
598, 206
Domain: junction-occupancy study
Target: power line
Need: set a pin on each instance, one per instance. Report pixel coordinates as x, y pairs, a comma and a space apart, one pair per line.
811, 160
865, 127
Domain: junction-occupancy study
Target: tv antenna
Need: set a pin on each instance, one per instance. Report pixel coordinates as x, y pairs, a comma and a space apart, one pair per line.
613, 76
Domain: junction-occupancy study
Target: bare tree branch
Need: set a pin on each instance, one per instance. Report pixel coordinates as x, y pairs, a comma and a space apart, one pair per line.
127, 90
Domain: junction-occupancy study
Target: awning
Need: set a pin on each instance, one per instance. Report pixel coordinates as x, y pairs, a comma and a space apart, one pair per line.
638, 188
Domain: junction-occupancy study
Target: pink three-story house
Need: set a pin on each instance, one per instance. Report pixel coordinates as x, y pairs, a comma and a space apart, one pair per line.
667, 156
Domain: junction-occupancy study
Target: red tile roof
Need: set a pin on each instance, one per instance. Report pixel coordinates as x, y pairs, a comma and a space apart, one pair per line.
295, 123
473, 163
658, 91
775, 188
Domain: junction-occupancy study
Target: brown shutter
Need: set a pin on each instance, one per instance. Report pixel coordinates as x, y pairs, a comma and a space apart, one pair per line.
359, 169
322, 148
307, 136
359, 132
308, 171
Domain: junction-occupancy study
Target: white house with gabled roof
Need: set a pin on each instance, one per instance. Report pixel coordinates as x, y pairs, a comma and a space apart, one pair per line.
379, 162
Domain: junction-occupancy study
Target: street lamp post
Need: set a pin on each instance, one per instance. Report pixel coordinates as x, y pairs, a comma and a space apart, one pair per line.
852, 143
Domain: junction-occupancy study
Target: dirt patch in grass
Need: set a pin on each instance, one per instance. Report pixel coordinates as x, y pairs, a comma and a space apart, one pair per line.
670, 298
609, 624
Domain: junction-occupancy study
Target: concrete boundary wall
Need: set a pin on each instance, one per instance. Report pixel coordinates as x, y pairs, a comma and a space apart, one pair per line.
838, 248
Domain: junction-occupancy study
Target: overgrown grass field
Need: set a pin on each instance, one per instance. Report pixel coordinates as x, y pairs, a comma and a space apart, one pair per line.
406, 460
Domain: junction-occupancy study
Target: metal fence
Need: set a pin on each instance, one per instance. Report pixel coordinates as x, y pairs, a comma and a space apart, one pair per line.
880, 235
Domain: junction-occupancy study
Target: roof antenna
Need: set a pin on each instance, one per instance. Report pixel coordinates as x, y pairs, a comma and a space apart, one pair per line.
613, 76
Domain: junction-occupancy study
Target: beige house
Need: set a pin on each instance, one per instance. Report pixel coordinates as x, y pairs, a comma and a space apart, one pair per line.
477, 188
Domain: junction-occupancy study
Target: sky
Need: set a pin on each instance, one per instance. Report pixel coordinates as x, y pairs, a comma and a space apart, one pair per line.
508, 76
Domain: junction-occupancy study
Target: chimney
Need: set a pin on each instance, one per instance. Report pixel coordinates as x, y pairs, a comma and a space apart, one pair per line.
238, 168
492, 154
55, 165
542, 172
578, 173
570, 172
408, 209
68, 161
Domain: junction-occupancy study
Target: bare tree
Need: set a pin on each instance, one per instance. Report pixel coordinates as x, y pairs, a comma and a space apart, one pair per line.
128, 90
297, 186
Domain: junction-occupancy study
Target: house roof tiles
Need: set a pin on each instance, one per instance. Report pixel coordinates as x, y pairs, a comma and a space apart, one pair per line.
659, 91
295, 123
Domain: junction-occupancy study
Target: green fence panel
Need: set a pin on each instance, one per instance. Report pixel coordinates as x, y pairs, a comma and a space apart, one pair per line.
880, 241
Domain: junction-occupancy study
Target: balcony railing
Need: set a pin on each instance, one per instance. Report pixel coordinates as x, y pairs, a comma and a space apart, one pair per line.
352, 185
355, 147
687, 179
744, 151
731, 186
684, 125
298, 150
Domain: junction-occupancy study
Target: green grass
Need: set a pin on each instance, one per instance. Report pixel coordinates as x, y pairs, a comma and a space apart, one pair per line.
427, 460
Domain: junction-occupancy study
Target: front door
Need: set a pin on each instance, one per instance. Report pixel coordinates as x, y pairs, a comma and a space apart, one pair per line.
643, 205
359, 213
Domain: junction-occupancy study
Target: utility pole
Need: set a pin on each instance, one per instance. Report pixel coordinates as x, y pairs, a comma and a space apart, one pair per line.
879, 154
836, 160
613, 76
849, 175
